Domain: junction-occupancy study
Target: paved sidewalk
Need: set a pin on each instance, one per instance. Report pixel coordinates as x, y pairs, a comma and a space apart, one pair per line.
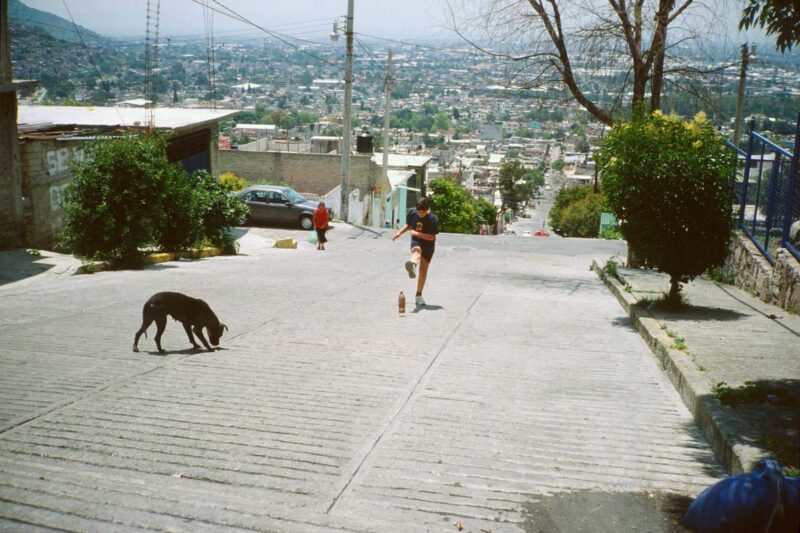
726, 335
520, 399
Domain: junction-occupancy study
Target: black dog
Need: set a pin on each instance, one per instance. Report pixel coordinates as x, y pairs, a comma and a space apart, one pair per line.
193, 313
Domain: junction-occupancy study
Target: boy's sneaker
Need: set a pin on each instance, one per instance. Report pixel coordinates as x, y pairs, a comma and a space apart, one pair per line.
419, 301
411, 268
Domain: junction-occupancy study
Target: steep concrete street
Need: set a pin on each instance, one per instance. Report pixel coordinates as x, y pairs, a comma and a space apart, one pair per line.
519, 399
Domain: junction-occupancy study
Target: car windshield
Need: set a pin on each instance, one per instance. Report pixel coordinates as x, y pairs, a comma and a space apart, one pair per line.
293, 196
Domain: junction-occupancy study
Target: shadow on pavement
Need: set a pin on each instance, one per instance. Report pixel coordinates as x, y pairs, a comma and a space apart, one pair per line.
519, 279
596, 512
16, 265
427, 307
624, 322
772, 409
696, 313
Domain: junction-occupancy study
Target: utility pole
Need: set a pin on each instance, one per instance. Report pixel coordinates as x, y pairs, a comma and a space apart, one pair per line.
348, 104
386, 117
737, 125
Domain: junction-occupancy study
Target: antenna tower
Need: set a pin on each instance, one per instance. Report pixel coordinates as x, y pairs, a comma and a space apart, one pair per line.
211, 63
151, 62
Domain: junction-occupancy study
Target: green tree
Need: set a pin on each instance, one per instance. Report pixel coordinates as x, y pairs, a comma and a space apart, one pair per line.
667, 183
442, 122
780, 18
453, 207
487, 213
558, 165
513, 189
535, 177
582, 218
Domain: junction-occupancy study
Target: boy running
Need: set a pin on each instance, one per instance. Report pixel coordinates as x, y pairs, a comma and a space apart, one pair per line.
424, 227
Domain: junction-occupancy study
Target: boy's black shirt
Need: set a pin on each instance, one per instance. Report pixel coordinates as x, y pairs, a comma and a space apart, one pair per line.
427, 224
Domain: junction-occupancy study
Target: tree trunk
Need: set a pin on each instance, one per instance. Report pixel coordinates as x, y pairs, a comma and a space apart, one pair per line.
674, 296
659, 46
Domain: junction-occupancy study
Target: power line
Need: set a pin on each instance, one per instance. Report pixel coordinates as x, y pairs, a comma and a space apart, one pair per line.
89, 54
428, 47
236, 16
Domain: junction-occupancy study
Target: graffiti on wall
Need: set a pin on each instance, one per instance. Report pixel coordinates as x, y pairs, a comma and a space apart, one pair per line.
57, 196
59, 160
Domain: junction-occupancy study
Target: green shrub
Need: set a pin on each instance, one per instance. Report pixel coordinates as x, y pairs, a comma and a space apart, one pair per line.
667, 183
582, 218
113, 204
611, 233
180, 226
126, 196
576, 212
231, 182
216, 209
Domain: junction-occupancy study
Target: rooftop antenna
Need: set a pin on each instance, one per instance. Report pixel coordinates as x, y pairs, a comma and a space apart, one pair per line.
151, 63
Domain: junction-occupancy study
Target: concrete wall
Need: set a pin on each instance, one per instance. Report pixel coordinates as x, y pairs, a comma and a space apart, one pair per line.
10, 179
778, 285
45, 167
305, 173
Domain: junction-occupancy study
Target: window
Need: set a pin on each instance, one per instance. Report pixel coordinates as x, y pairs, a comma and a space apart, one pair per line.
274, 197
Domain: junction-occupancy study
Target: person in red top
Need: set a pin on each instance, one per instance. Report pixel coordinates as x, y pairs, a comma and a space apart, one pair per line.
321, 225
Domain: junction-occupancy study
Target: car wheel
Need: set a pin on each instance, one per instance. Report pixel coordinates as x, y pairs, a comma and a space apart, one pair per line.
306, 222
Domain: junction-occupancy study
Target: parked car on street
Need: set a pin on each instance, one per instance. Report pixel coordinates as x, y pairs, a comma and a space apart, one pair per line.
271, 204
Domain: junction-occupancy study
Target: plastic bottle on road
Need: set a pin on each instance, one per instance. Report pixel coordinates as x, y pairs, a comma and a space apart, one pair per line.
401, 303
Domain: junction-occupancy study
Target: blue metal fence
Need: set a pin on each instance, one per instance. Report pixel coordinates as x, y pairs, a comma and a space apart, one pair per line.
767, 188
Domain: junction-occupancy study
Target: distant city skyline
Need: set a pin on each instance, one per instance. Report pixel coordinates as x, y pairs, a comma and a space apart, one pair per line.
310, 19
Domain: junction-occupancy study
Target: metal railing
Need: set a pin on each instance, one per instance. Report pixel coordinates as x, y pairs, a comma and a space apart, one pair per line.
767, 189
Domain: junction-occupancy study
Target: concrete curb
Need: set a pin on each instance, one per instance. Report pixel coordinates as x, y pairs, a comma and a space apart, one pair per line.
732, 439
152, 259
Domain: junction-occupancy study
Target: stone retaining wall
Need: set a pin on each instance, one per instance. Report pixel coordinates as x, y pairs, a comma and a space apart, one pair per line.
778, 285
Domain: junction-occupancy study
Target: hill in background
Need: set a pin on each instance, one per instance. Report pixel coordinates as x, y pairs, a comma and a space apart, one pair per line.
23, 16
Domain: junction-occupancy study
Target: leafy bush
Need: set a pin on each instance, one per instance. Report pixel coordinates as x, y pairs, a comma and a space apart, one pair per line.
126, 196
180, 226
231, 182
453, 206
582, 218
667, 182
611, 233
576, 212
113, 205
216, 209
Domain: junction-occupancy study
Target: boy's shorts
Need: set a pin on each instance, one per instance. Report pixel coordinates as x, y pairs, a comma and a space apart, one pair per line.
426, 248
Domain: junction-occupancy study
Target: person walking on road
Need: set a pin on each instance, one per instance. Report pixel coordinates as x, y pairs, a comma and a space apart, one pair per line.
424, 226
321, 225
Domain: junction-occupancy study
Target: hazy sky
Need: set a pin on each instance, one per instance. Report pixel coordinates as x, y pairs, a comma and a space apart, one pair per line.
302, 18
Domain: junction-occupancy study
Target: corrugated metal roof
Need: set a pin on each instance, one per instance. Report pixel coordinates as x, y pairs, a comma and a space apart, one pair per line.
170, 118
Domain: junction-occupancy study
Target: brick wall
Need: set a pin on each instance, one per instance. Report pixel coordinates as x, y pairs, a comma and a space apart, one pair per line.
305, 173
